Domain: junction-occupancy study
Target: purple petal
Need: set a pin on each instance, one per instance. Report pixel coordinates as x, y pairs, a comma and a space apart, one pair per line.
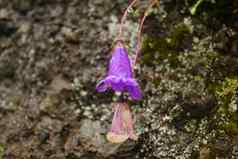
120, 84
106, 83
120, 76
120, 64
116, 83
134, 89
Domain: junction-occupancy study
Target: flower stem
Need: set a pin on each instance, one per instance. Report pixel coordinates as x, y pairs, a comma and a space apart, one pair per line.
124, 18
138, 47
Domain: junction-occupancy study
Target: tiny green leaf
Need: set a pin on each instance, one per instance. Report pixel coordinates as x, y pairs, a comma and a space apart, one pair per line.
193, 9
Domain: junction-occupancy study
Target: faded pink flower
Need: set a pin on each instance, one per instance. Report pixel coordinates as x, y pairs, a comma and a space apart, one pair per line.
122, 124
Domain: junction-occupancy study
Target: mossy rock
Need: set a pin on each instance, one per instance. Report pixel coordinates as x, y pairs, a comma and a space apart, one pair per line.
157, 49
224, 92
1, 151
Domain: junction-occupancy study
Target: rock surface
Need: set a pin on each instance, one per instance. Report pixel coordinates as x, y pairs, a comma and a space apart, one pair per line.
52, 53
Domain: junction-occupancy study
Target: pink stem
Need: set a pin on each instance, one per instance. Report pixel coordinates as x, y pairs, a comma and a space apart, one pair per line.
152, 3
123, 19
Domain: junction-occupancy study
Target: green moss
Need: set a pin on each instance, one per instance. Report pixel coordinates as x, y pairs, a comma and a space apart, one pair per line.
178, 35
232, 129
224, 92
152, 47
156, 49
228, 87
1, 151
198, 78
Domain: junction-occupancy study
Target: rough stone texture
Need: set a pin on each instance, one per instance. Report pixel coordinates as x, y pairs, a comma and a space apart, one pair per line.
52, 53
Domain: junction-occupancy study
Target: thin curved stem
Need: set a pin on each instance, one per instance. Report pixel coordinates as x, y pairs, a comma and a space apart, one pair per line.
124, 17
152, 3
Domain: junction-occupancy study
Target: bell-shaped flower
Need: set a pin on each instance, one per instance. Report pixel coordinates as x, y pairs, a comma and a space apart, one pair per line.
120, 75
122, 124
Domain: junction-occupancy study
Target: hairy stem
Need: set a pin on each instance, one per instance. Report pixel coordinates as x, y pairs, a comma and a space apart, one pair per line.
124, 18
138, 47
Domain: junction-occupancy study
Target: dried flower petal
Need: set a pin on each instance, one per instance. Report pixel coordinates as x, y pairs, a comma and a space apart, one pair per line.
122, 124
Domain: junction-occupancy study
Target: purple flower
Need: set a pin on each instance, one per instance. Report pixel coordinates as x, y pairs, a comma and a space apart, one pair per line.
120, 76
122, 124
